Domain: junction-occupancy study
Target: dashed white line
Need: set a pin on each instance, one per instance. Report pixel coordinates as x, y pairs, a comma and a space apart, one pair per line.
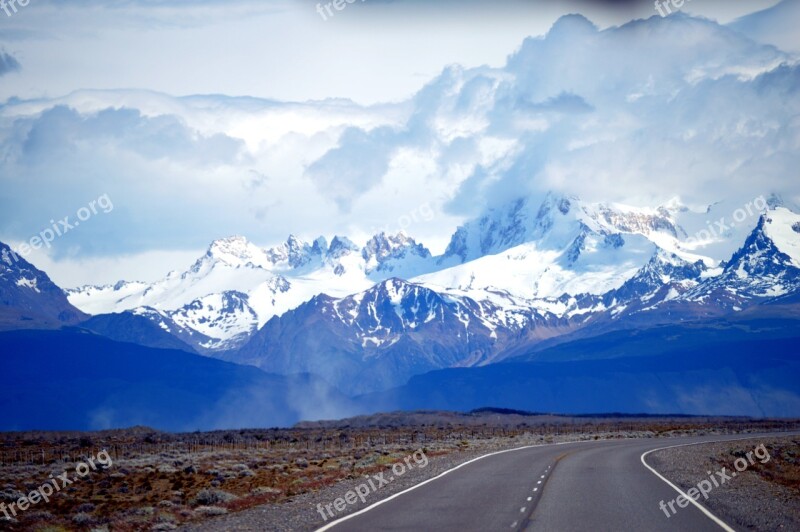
424, 482
535, 489
415, 486
538, 481
522, 510
514, 524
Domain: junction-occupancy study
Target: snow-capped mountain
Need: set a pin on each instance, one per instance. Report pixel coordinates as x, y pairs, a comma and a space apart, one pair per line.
386, 334
540, 252
529, 270
396, 329
397, 255
555, 223
766, 266
236, 287
28, 298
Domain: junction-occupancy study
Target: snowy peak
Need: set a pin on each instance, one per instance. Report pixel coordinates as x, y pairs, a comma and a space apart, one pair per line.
226, 317
503, 228
766, 266
625, 219
28, 297
413, 304
390, 306
782, 227
383, 247
558, 222
237, 252
388, 253
295, 253
773, 246
341, 246
665, 274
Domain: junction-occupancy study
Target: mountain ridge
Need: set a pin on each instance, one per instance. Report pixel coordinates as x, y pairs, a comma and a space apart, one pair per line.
522, 274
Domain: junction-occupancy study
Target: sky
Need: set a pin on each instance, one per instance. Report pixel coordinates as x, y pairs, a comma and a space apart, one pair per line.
167, 125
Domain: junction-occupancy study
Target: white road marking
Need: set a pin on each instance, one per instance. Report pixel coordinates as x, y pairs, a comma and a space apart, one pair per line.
702, 508
530, 498
522, 510
535, 489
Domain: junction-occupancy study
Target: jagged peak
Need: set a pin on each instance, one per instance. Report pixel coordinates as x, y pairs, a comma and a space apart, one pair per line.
320, 246
228, 244
774, 234
236, 251
383, 246
396, 289
340, 246
294, 241
662, 256
296, 252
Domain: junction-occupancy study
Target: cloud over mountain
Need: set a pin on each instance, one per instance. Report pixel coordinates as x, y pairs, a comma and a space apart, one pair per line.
631, 114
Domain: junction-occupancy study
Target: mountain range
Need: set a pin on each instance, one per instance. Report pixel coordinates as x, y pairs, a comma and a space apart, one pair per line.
605, 306
367, 318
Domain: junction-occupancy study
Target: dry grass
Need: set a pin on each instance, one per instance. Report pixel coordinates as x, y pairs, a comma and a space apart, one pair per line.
782, 468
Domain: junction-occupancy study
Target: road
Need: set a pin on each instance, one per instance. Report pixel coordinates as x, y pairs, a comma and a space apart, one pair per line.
576, 486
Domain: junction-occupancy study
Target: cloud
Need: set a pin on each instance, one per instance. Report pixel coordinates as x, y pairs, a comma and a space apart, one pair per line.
8, 64
637, 114
563, 103
776, 25
63, 130
357, 164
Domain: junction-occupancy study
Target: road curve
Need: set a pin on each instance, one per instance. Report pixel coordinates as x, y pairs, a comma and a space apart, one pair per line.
596, 486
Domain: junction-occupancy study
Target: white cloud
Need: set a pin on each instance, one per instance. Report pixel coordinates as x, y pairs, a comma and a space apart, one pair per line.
633, 114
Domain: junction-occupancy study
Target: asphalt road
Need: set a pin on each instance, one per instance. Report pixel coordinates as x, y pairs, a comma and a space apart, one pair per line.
576, 486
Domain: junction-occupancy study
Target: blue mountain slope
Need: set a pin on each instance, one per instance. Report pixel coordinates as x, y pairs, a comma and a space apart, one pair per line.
136, 329
76, 380
28, 298
669, 338
753, 375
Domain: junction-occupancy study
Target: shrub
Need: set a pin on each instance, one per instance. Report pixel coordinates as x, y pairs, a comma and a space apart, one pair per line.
83, 519
263, 490
210, 511
210, 497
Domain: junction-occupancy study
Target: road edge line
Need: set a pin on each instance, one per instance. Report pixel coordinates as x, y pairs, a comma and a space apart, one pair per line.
725, 526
